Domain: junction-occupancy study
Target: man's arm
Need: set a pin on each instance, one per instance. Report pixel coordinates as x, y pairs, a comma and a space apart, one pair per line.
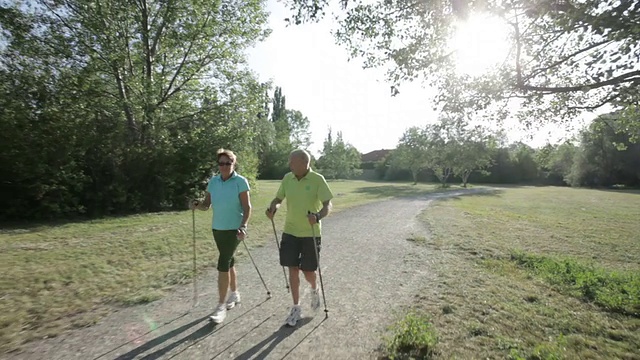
275, 204
273, 207
325, 195
326, 209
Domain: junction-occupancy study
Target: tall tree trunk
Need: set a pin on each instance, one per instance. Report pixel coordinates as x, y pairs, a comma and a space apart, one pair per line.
465, 178
149, 106
445, 175
134, 132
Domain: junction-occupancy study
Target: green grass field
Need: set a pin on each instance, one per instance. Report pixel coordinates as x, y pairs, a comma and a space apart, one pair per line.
57, 277
529, 273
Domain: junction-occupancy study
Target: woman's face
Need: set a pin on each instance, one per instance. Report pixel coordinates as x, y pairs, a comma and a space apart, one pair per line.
225, 165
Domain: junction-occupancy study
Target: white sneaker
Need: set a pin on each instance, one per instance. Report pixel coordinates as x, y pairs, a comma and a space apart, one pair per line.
219, 314
315, 299
294, 315
233, 300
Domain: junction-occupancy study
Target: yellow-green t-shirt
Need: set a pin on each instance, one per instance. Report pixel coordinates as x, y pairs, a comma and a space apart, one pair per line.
302, 196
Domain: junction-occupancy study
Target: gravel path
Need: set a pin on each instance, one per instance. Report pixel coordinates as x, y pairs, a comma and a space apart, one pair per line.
369, 270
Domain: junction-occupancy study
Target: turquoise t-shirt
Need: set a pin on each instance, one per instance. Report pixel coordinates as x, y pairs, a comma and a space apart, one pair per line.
225, 201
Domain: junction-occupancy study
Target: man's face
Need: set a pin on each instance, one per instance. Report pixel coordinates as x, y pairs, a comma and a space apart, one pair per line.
297, 165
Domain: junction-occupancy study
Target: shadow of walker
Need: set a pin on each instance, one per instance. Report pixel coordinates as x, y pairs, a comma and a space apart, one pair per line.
164, 338
209, 328
272, 341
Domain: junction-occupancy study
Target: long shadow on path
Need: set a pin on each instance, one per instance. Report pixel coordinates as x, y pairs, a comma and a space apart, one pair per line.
160, 339
140, 336
273, 340
207, 329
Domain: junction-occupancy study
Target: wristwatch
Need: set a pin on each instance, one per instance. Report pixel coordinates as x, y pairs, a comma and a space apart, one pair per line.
243, 228
317, 215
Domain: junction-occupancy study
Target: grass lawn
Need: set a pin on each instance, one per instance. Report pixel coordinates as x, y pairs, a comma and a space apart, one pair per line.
529, 273
57, 277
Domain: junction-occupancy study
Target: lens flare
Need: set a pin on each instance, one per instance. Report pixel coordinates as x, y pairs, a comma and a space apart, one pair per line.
136, 331
152, 324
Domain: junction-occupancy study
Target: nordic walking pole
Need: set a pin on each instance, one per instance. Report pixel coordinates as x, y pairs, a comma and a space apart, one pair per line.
275, 233
195, 274
255, 266
315, 248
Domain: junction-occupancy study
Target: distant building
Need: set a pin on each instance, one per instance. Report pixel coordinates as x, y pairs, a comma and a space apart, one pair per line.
368, 163
375, 156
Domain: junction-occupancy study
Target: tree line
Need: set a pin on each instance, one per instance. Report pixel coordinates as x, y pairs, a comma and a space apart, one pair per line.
118, 107
605, 154
565, 58
338, 159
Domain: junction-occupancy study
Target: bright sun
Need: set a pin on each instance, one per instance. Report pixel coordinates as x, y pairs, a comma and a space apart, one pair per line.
480, 42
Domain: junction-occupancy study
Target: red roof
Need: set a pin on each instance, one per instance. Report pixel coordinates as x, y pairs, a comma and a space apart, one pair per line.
375, 155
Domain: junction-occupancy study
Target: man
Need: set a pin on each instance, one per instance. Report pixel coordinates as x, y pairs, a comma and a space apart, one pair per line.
308, 201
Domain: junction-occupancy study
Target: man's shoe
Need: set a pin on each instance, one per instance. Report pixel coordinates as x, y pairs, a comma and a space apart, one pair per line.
315, 299
294, 315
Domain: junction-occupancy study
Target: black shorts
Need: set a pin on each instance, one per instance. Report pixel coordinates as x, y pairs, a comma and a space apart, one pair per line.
298, 251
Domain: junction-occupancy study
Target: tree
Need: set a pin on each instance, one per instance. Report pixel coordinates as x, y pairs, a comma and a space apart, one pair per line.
441, 150
606, 157
279, 106
152, 54
339, 159
555, 162
125, 100
566, 56
266, 134
436, 147
290, 130
299, 133
447, 148
412, 152
523, 159
471, 151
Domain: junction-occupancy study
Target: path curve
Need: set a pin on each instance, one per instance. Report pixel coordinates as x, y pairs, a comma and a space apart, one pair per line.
367, 264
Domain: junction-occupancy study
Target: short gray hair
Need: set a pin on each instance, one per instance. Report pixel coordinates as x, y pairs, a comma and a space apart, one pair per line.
302, 154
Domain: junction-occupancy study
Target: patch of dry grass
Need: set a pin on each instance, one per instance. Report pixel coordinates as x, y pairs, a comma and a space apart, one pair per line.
486, 305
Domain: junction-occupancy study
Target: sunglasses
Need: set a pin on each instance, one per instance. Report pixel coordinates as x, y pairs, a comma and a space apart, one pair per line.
225, 163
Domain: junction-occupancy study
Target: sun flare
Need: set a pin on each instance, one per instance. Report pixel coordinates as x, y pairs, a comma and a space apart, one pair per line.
480, 43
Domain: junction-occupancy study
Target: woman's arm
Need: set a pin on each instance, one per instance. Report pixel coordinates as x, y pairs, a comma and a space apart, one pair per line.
245, 201
206, 203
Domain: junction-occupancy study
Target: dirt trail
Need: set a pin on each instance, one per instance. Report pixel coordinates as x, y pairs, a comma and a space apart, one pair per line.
369, 271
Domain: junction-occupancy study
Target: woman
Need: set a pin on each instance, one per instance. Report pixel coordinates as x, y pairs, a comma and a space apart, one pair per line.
228, 193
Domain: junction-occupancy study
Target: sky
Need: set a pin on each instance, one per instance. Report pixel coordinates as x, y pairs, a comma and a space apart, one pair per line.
318, 79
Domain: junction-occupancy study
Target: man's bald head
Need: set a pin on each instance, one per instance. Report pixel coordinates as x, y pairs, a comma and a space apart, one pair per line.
299, 161
301, 154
